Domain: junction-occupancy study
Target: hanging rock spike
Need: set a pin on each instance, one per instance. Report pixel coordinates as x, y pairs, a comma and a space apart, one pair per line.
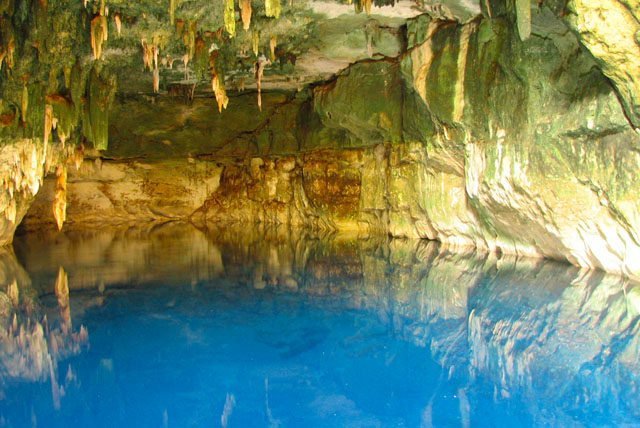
245, 14
230, 17
60, 199
273, 8
523, 18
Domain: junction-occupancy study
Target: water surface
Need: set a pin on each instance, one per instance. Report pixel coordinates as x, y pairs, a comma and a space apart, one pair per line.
172, 326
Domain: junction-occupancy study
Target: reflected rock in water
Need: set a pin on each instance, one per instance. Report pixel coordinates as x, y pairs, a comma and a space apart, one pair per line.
559, 338
32, 340
555, 334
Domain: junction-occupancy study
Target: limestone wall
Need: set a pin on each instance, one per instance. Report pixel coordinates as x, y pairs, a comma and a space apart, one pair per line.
472, 137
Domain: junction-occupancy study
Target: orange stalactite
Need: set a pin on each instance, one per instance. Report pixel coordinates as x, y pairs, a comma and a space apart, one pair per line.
24, 105
48, 124
156, 80
60, 199
245, 13
99, 34
259, 73
217, 85
273, 42
367, 6
118, 20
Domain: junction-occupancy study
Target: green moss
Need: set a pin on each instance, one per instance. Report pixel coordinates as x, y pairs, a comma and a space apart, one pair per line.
365, 101
101, 91
442, 77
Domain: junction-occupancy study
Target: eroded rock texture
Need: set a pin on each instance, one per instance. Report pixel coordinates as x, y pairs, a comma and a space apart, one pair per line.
22, 166
475, 136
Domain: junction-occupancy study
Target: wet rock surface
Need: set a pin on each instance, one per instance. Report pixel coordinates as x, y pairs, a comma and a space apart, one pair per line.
474, 136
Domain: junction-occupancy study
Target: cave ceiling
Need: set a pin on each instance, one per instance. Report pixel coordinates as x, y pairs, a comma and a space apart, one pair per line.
165, 45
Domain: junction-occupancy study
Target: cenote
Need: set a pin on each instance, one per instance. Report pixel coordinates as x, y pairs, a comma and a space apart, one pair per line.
178, 327
319, 213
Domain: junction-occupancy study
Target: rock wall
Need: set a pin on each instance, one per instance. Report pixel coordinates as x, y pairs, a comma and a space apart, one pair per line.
530, 136
473, 137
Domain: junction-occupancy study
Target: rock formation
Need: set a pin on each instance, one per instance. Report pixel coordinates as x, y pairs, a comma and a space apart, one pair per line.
511, 132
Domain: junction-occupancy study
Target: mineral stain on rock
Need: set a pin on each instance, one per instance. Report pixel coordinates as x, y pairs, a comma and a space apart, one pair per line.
507, 126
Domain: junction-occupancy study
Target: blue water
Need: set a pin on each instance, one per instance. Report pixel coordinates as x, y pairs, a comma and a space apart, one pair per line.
178, 327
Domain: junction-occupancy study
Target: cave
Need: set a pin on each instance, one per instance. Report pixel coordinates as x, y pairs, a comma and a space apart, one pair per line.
330, 213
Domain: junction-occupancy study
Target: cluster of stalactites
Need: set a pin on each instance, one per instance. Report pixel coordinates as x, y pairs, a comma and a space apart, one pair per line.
150, 53
70, 156
30, 347
21, 176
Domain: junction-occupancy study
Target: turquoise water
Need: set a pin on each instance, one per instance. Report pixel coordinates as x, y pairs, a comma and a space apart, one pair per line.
172, 326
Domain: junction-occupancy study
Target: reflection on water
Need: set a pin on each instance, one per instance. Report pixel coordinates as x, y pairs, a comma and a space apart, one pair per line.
272, 328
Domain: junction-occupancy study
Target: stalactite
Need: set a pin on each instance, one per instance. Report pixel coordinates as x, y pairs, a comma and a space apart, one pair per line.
149, 56
24, 105
217, 85
172, 11
487, 5
60, 199
191, 39
101, 89
230, 17
64, 115
78, 156
61, 289
155, 50
118, 20
48, 124
367, 6
523, 17
272, 8
156, 80
255, 42
273, 42
245, 13
259, 73
185, 62
99, 35
13, 292
11, 48
66, 70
